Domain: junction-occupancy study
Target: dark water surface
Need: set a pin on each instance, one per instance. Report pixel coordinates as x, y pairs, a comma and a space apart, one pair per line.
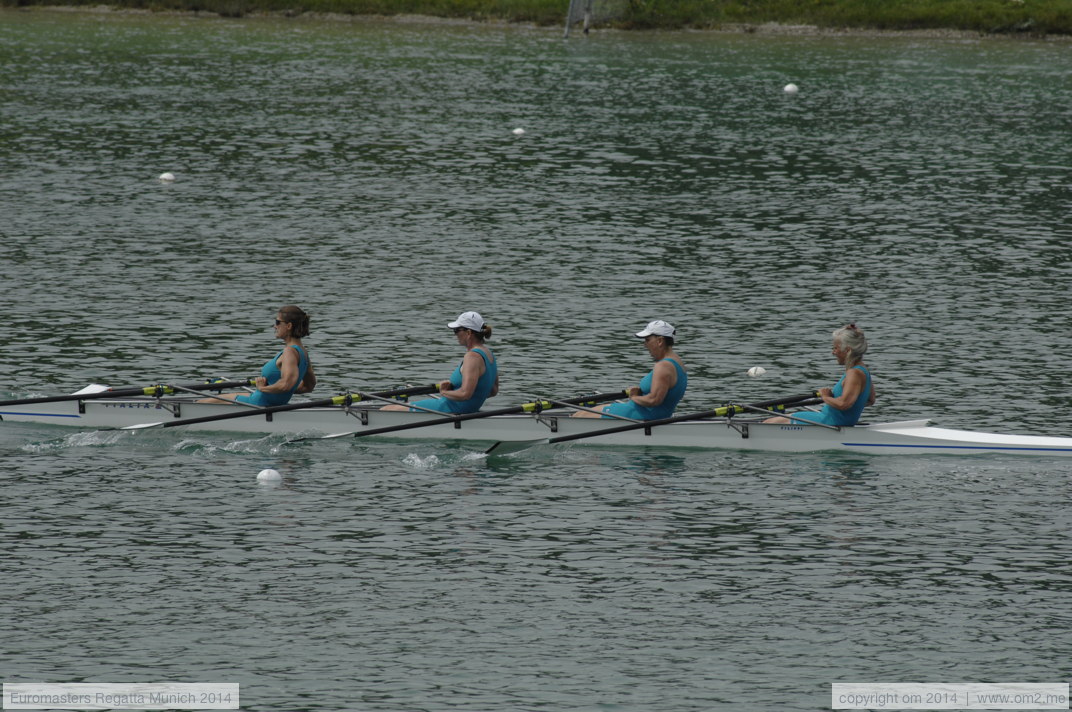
369, 172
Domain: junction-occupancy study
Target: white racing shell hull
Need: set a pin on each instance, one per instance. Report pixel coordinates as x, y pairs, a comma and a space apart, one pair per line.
907, 437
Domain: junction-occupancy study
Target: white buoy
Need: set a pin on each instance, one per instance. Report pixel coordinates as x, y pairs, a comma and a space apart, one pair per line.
791, 88
756, 371
519, 132
269, 475
167, 177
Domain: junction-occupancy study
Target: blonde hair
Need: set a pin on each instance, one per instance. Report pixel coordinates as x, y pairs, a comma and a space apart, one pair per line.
852, 338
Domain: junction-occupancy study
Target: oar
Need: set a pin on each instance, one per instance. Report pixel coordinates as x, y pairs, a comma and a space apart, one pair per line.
794, 418
533, 407
157, 391
344, 399
593, 410
779, 404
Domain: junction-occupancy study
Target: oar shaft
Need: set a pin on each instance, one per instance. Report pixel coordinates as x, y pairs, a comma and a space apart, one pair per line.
722, 412
158, 390
794, 418
523, 408
393, 401
593, 410
333, 401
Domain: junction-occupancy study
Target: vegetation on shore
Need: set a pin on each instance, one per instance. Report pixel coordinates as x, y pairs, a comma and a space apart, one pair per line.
1030, 17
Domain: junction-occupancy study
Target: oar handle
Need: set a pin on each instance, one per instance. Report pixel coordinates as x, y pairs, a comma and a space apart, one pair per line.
533, 407
153, 391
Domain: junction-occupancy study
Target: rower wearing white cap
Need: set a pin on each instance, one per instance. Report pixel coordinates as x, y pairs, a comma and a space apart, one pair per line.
660, 391
475, 379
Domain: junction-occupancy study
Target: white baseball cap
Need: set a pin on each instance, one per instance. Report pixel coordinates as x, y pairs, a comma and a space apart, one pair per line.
468, 320
658, 328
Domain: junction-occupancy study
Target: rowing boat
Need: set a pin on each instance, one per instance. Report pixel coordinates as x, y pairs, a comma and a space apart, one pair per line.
741, 433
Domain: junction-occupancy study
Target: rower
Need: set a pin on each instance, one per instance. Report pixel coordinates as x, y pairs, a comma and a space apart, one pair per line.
286, 373
474, 380
842, 404
661, 390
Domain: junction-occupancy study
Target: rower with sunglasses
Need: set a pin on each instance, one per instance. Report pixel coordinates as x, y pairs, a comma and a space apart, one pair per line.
477, 376
661, 390
286, 373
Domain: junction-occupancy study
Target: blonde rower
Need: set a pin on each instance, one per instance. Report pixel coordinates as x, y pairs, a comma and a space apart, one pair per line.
843, 403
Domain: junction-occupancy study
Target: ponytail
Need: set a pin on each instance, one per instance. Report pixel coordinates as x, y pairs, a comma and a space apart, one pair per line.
297, 318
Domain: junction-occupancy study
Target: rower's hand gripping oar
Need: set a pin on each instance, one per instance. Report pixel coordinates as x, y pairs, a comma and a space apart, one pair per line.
533, 407
153, 391
504, 447
342, 400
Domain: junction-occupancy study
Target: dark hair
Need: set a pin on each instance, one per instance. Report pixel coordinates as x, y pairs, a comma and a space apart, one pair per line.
482, 333
298, 318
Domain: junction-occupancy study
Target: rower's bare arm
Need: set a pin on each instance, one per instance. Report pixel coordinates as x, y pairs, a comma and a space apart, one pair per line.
850, 390
288, 368
472, 369
661, 382
309, 382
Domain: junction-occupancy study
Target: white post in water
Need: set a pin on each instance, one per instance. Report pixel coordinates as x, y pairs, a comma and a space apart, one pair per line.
569, 17
574, 10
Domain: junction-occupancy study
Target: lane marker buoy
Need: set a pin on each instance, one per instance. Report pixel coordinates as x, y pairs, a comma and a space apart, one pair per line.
269, 475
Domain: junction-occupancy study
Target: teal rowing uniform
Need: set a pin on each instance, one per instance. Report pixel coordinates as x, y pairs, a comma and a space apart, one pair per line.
271, 373
629, 409
830, 415
481, 393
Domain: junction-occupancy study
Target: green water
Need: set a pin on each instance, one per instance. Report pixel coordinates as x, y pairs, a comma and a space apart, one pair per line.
370, 173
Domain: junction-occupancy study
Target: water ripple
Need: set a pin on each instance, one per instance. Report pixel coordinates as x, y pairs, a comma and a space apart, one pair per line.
369, 173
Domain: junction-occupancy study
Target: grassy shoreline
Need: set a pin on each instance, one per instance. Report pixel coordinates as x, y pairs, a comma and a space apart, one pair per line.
1031, 18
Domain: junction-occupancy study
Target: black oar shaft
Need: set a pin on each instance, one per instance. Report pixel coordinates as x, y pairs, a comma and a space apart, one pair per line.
796, 419
716, 413
157, 390
525, 407
334, 401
